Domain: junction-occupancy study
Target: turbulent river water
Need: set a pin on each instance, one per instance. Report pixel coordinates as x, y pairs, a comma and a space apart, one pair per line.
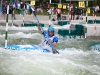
77, 56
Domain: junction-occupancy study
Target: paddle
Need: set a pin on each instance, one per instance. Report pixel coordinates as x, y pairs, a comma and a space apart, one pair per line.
54, 51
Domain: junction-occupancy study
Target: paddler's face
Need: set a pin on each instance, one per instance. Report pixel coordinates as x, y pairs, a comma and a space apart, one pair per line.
50, 33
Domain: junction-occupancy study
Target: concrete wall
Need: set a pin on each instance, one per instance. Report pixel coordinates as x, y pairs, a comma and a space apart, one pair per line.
46, 17
91, 33
26, 17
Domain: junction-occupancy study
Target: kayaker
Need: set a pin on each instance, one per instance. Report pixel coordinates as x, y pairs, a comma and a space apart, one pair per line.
49, 38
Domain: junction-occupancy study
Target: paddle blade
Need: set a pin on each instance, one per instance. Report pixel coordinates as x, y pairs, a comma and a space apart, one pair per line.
54, 51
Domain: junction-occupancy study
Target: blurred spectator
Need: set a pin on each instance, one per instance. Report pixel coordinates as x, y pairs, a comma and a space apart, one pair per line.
78, 13
47, 6
27, 7
18, 7
22, 7
4, 7
15, 4
32, 9
41, 7
55, 10
97, 8
49, 11
73, 13
58, 14
11, 10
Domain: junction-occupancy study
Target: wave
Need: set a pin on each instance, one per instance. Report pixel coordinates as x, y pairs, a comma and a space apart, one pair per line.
70, 61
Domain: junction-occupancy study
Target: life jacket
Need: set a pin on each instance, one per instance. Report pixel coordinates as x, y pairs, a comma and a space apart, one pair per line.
45, 44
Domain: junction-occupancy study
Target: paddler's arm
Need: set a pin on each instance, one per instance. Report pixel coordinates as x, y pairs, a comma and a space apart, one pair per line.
39, 28
55, 40
54, 44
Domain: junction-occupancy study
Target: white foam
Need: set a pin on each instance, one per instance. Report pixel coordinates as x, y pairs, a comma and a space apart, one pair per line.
69, 61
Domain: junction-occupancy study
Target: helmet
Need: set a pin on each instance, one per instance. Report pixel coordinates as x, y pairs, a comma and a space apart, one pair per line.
51, 29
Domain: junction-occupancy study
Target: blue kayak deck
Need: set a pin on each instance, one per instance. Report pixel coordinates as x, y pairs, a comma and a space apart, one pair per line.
26, 48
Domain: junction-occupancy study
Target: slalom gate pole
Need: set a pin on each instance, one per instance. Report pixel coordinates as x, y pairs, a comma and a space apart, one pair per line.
70, 11
86, 20
95, 19
6, 34
50, 18
70, 18
12, 17
50, 11
23, 17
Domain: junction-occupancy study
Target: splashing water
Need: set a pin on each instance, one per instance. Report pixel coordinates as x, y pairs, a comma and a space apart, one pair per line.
76, 57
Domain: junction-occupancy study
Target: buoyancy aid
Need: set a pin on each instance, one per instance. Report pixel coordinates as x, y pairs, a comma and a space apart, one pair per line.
45, 44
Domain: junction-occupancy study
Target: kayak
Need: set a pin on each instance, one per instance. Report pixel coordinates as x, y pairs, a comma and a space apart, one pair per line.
27, 48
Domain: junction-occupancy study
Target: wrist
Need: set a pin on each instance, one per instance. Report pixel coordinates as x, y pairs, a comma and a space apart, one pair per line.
38, 24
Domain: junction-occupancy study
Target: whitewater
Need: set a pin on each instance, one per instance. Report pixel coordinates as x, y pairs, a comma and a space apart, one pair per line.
77, 56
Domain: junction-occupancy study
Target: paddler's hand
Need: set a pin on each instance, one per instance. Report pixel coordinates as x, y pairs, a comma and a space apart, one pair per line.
39, 28
49, 40
54, 43
38, 24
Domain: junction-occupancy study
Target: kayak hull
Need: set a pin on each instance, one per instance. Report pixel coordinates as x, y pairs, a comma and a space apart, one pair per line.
27, 48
